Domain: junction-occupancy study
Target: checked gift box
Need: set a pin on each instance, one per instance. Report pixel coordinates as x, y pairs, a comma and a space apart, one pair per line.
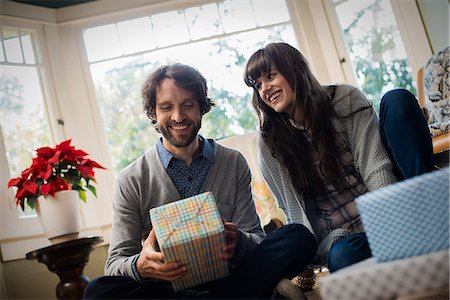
190, 231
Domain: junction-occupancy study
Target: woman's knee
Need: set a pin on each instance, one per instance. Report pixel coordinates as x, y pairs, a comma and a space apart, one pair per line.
399, 101
347, 251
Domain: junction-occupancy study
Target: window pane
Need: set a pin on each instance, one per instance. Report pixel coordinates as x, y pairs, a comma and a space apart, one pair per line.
136, 35
12, 46
28, 49
264, 12
170, 28
203, 21
237, 15
102, 42
23, 117
375, 45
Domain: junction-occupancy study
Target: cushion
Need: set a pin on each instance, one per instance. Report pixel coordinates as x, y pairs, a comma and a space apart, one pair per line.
437, 92
265, 203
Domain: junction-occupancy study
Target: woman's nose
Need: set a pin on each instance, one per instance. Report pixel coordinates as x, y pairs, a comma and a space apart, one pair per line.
265, 87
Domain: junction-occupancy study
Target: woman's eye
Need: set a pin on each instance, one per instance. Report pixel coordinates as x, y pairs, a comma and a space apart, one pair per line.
258, 86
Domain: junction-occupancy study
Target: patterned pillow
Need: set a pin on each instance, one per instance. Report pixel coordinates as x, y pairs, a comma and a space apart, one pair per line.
437, 92
265, 203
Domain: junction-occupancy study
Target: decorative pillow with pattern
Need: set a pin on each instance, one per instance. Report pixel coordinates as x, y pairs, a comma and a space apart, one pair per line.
437, 92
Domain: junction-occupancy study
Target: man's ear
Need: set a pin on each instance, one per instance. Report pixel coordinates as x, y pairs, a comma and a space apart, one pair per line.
155, 125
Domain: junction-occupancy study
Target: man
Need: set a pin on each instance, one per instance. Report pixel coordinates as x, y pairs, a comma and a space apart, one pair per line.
181, 165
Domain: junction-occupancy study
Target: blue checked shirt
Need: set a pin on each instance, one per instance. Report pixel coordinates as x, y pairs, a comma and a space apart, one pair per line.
187, 180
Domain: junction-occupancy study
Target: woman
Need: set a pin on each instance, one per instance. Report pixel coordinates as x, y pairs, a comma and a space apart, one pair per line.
320, 147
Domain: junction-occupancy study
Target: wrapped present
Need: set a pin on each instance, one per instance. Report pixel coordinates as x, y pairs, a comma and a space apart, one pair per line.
408, 277
408, 218
190, 231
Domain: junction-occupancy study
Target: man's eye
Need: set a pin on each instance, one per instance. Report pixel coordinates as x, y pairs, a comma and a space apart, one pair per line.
166, 107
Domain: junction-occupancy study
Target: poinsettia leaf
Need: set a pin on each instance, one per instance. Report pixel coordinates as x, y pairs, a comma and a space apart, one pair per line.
46, 188
30, 186
45, 152
31, 201
55, 158
82, 195
77, 153
76, 185
64, 146
92, 189
14, 182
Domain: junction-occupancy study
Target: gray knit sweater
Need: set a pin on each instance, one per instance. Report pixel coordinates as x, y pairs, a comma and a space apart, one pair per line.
360, 129
145, 184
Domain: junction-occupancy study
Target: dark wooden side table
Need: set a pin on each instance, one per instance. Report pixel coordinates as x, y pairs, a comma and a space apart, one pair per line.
68, 260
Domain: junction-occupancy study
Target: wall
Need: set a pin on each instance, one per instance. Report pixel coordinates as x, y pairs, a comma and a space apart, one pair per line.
435, 15
29, 279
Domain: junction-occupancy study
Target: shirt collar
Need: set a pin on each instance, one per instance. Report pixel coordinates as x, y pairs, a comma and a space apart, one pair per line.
166, 156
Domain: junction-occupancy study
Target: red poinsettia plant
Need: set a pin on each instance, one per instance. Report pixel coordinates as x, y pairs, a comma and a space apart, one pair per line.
55, 169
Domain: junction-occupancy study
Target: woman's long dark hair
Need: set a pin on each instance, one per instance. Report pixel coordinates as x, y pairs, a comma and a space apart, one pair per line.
313, 101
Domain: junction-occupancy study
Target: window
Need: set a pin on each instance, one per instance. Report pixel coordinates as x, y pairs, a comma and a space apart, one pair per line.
24, 126
216, 38
375, 46
23, 117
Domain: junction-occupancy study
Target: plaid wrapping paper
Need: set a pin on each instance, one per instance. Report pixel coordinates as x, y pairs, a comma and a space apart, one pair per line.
408, 218
190, 231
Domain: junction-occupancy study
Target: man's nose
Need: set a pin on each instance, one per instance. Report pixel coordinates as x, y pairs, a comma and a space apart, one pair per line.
178, 115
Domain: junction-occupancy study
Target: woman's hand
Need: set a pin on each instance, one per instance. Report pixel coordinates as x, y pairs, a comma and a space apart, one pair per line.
150, 263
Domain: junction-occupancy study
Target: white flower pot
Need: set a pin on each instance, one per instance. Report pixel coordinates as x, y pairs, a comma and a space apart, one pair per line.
60, 215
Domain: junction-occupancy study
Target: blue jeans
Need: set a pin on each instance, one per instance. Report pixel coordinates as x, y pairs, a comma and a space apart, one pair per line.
406, 137
405, 134
347, 251
285, 252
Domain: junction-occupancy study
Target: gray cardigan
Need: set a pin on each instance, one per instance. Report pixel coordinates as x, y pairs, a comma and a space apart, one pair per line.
145, 184
360, 129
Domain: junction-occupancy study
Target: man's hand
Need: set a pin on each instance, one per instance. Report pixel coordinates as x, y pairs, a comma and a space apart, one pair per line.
232, 237
150, 263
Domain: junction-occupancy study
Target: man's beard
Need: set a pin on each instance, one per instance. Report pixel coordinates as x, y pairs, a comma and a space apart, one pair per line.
183, 141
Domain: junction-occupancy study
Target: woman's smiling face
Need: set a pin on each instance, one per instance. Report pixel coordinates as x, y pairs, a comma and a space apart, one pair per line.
275, 91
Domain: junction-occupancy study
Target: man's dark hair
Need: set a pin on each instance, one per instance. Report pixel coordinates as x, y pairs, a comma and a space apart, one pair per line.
183, 76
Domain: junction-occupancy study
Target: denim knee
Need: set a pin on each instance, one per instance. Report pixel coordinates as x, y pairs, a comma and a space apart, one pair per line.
400, 102
347, 251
